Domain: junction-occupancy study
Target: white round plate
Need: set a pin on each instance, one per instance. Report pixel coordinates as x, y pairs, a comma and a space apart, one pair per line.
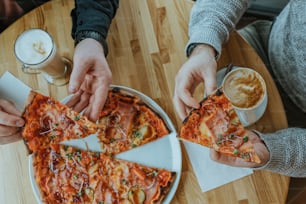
162, 153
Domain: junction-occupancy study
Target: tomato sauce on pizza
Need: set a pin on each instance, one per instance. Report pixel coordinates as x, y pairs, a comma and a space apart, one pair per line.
216, 125
66, 174
47, 121
128, 123
69, 175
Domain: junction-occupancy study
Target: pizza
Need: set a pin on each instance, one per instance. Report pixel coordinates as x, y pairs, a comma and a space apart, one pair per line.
128, 123
47, 121
66, 174
69, 175
216, 125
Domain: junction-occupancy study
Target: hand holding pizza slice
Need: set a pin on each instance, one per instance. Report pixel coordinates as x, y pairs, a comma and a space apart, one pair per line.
259, 147
216, 125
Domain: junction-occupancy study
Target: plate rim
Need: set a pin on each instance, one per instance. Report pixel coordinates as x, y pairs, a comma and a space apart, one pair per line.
174, 142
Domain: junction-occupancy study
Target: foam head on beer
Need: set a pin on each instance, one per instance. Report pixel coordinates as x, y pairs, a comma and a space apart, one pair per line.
33, 46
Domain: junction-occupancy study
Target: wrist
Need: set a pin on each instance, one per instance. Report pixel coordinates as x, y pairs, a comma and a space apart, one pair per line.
195, 48
85, 34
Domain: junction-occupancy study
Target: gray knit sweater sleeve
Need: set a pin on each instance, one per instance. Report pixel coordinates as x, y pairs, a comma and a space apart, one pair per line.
211, 21
287, 152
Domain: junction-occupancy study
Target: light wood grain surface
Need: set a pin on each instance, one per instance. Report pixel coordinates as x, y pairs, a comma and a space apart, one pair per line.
146, 42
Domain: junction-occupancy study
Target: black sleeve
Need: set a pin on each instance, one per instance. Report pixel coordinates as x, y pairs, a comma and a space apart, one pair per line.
93, 15
29, 5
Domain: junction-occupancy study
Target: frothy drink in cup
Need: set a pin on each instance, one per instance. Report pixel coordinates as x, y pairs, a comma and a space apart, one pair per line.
37, 52
246, 90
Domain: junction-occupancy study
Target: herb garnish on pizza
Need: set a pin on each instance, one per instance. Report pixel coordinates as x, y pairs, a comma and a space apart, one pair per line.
216, 125
66, 174
128, 123
47, 121
69, 175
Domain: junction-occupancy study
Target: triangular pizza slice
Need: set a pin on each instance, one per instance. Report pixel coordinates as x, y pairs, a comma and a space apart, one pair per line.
128, 123
216, 125
47, 121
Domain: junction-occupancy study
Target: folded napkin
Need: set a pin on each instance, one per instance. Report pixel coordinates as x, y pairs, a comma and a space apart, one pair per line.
14, 90
211, 174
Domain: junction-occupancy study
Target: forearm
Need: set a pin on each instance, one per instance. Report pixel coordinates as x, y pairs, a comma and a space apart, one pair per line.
212, 21
287, 152
91, 15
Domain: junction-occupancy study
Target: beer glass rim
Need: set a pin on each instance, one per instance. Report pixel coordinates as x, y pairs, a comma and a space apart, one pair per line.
46, 58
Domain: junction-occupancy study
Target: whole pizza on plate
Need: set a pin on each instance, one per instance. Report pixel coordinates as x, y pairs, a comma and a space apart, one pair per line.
66, 174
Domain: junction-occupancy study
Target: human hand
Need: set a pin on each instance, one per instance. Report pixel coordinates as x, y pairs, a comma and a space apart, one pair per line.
90, 79
10, 122
260, 149
200, 67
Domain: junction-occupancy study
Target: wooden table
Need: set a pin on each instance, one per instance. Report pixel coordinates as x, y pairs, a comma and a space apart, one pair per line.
146, 42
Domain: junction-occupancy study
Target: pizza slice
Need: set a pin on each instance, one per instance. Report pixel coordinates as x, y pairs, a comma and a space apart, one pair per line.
62, 174
216, 125
47, 121
128, 123
69, 175
129, 182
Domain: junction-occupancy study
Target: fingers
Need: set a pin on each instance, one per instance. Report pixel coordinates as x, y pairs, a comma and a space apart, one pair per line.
97, 102
79, 101
183, 103
259, 147
10, 120
9, 139
180, 108
81, 64
8, 130
210, 82
77, 77
231, 161
9, 114
9, 107
75, 98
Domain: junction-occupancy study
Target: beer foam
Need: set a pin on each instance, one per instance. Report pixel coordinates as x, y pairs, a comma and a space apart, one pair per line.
244, 88
33, 46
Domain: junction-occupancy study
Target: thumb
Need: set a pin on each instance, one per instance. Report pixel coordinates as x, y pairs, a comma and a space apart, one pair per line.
80, 68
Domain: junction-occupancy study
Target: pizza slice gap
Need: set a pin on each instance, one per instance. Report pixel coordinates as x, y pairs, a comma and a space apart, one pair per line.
216, 125
151, 153
65, 174
47, 121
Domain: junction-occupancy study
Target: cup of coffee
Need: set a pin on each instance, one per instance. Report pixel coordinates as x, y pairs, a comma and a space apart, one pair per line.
246, 90
37, 52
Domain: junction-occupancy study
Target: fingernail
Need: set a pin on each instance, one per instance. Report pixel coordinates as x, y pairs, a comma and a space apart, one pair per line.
19, 123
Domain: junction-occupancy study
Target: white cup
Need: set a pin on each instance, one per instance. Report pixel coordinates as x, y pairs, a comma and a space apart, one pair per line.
246, 90
37, 52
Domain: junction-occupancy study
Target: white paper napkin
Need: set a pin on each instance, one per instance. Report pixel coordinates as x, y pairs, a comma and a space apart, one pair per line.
211, 174
13, 89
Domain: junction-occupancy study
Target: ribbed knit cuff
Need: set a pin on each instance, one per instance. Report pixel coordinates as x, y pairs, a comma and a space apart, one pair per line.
276, 149
201, 37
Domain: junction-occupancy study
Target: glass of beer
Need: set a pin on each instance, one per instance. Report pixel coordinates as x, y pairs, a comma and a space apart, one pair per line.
37, 52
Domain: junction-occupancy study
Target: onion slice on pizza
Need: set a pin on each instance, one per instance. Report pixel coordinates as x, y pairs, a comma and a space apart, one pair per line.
47, 121
128, 123
69, 175
216, 125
